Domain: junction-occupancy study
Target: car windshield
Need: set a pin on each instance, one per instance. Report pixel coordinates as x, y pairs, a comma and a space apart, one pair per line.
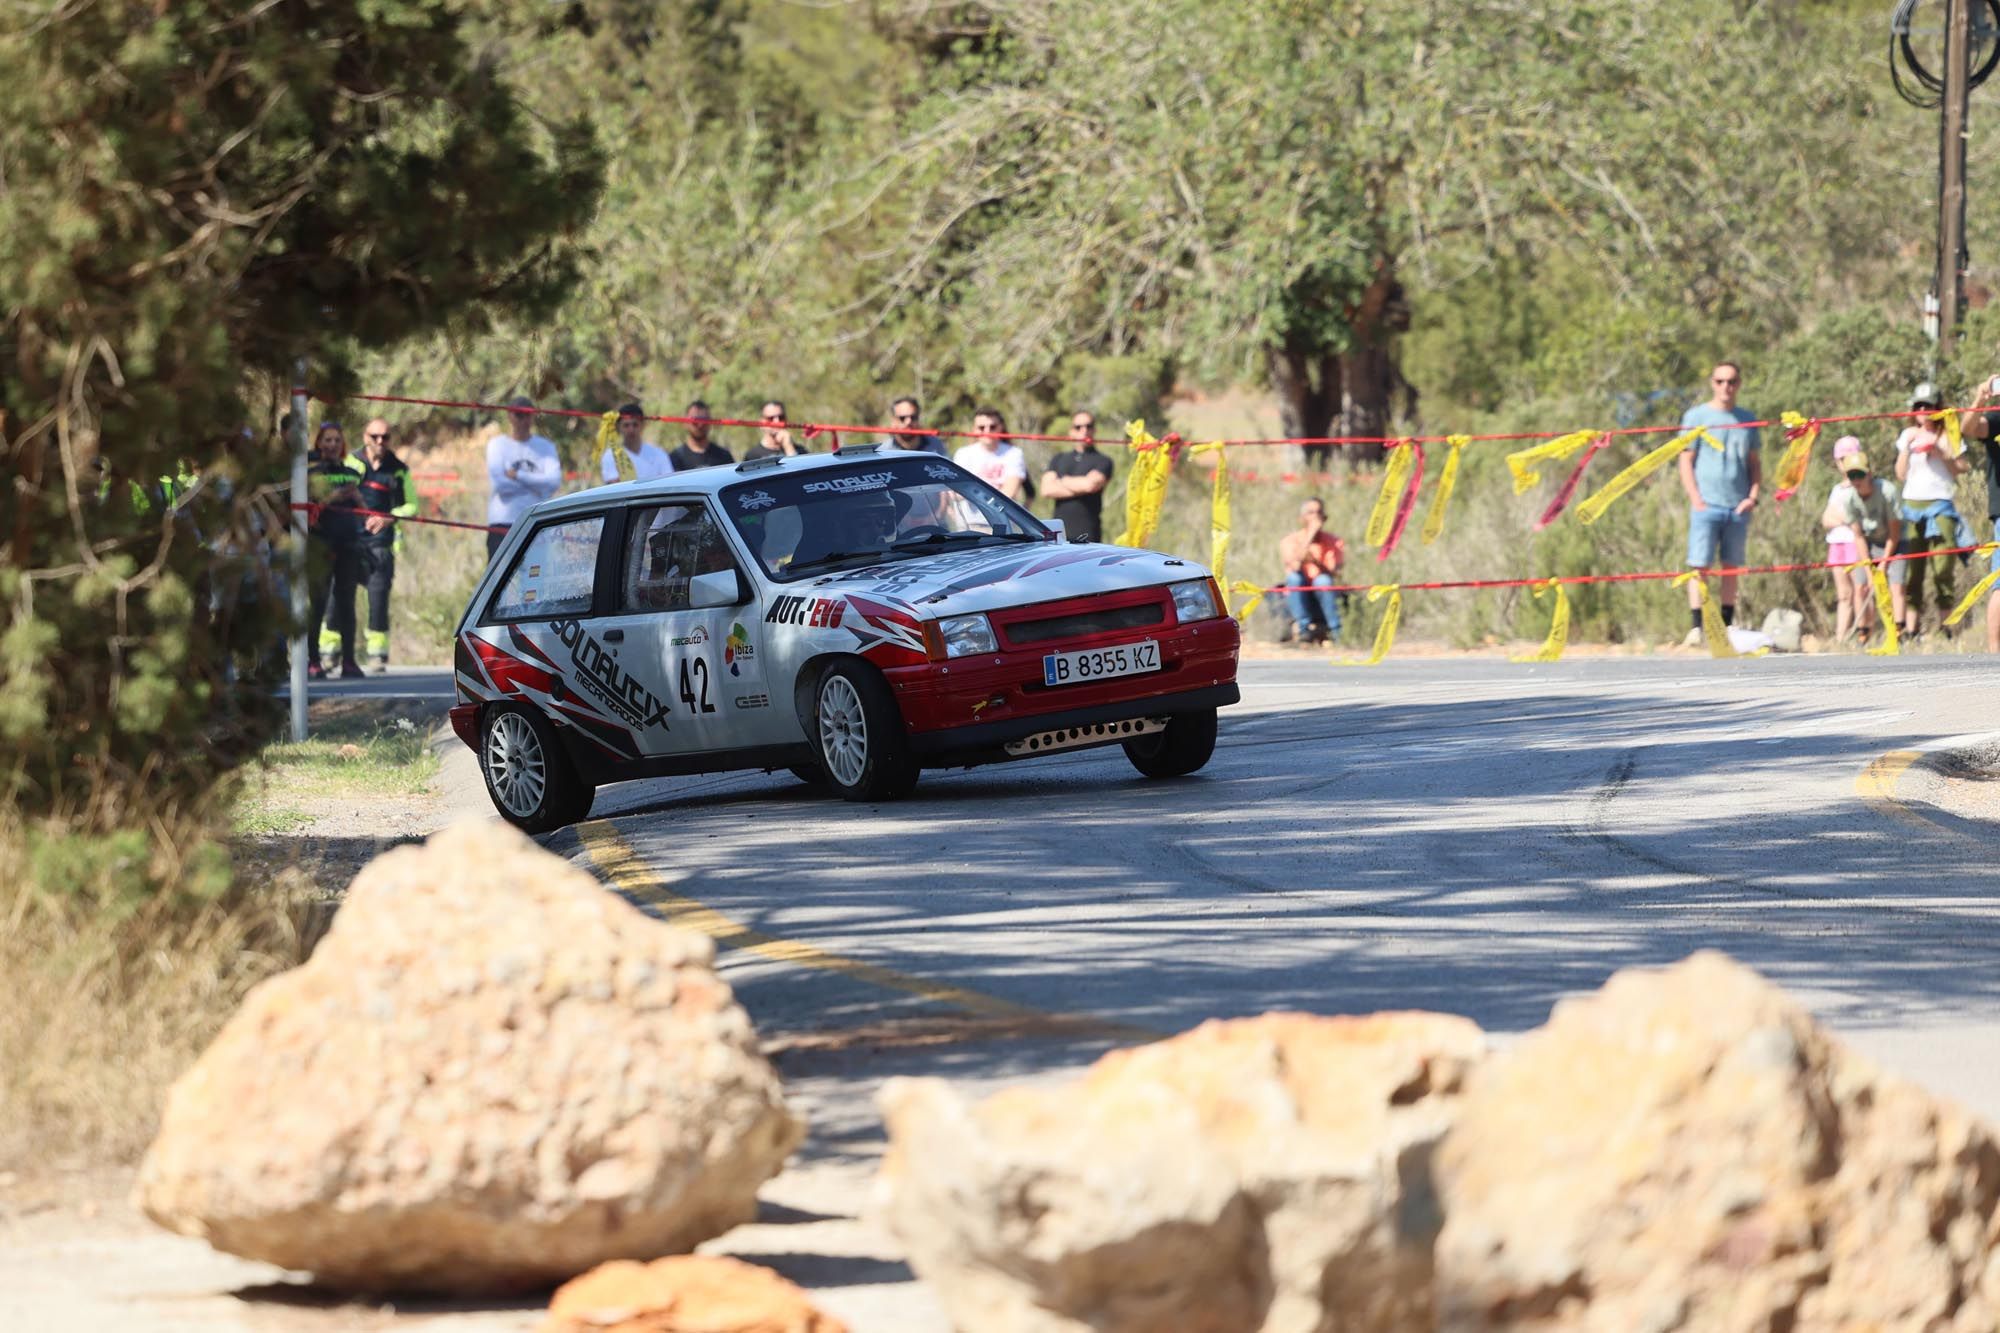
815, 520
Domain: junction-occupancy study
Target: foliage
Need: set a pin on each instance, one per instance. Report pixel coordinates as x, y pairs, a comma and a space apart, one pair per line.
196, 195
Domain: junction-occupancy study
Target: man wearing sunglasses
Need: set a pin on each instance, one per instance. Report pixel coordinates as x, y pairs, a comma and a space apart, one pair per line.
774, 437
904, 413
1076, 479
1722, 487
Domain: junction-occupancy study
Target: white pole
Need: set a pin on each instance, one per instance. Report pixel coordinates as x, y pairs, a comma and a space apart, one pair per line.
301, 601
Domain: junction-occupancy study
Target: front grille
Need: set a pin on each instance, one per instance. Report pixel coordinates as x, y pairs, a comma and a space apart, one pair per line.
1086, 622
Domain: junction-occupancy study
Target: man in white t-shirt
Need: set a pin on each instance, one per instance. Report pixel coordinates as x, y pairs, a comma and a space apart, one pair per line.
992, 457
632, 457
524, 469
1929, 475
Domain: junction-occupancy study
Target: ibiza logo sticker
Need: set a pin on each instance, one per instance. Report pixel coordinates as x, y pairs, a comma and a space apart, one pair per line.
598, 673
736, 650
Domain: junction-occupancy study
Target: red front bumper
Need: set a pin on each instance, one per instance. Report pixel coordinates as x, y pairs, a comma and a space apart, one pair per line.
1008, 686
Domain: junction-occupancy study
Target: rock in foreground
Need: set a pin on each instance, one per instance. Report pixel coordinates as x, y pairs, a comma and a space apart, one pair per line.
1687, 1149
685, 1294
1263, 1174
492, 1075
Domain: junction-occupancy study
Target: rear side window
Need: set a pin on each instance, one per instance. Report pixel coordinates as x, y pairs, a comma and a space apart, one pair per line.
554, 573
665, 547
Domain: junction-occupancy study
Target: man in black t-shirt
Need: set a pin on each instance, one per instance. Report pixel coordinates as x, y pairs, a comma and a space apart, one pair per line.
1076, 479
1982, 423
699, 451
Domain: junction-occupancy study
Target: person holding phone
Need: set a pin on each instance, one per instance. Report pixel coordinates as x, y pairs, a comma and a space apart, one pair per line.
1929, 477
1982, 423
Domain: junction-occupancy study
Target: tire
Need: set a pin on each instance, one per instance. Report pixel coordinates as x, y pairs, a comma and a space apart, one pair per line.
528, 776
1182, 748
864, 752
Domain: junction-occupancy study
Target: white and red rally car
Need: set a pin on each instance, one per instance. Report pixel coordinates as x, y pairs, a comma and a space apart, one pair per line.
854, 617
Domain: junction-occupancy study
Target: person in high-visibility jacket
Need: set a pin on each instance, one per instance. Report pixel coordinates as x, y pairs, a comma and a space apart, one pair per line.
388, 489
333, 569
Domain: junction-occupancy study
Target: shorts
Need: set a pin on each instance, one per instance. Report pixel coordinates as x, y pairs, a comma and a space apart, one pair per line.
1843, 553
1897, 571
1715, 527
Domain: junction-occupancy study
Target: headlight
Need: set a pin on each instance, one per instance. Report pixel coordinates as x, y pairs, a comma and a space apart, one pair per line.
965, 635
1194, 600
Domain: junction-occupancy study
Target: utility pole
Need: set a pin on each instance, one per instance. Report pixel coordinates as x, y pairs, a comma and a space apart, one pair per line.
1951, 256
301, 604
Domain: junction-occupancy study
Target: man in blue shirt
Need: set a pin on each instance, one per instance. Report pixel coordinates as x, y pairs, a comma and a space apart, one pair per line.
1722, 487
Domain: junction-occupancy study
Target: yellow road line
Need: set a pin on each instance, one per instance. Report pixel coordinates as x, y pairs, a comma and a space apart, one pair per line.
621, 864
1876, 784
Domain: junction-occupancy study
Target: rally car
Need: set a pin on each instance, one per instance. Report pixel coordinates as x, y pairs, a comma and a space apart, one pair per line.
854, 617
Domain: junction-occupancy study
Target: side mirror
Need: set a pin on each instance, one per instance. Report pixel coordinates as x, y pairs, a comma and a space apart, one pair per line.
1055, 525
722, 588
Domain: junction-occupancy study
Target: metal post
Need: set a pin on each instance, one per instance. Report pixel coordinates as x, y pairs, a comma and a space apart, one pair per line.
301, 600
1951, 257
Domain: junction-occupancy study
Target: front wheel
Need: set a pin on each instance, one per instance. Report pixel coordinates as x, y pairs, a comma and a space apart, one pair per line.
532, 783
1178, 751
858, 730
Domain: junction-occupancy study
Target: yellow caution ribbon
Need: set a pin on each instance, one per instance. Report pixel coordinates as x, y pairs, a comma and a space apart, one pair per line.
1712, 628
1954, 431
1521, 462
1244, 587
1146, 489
1385, 633
621, 457
1593, 509
1791, 471
1218, 515
1979, 589
1885, 610
1552, 647
1447, 481
1383, 516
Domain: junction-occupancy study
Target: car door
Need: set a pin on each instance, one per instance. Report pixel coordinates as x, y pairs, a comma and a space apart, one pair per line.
684, 621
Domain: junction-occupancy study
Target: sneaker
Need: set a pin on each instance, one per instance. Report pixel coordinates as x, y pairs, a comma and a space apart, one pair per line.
1693, 640
351, 670
1302, 633
314, 671
379, 664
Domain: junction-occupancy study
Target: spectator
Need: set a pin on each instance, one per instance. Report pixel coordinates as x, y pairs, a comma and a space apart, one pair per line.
632, 457
1312, 557
1863, 507
904, 412
1722, 488
333, 482
1929, 477
697, 451
1076, 479
388, 489
774, 438
523, 468
1983, 424
992, 457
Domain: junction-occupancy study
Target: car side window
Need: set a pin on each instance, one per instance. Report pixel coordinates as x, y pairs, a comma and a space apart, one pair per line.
665, 547
554, 574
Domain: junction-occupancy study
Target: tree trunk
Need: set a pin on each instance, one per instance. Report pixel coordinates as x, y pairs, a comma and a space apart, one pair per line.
1374, 377
1308, 388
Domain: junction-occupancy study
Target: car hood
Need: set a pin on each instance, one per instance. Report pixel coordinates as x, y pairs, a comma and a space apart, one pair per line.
993, 577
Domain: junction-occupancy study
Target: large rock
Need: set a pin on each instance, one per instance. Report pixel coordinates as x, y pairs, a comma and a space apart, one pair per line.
692, 1293
1686, 1149
1268, 1173
491, 1075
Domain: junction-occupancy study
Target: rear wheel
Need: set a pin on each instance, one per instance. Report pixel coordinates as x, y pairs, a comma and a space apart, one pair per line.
858, 730
532, 783
1182, 748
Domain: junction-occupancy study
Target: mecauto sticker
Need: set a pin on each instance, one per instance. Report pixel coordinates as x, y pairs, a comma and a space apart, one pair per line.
700, 635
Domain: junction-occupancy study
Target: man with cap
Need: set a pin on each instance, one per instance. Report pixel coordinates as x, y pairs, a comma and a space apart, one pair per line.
1929, 477
632, 457
1722, 487
524, 469
698, 450
1861, 525
1982, 423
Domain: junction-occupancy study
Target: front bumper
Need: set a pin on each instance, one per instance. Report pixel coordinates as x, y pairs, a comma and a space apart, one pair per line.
986, 742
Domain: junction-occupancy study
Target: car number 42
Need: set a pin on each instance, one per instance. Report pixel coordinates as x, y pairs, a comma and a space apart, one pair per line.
1127, 659
694, 692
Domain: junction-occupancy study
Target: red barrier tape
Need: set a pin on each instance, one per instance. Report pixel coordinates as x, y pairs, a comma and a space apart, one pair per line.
809, 430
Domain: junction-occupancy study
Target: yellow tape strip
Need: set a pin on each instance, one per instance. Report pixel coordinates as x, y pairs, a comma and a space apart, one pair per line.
1885, 610
1552, 647
1256, 595
1979, 589
1791, 470
1447, 481
621, 457
1218, 516
1383, 516
1385, 633
1712, 628
1146, 489
1954, 430
1593, 509
1521, 461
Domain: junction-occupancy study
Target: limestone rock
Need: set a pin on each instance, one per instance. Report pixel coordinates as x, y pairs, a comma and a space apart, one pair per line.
491, 1075
1268, 1173
1784, 625
693, 1293
1687, 1149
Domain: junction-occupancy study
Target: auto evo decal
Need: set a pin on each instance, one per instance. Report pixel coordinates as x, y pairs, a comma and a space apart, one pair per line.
812, 612
597, 671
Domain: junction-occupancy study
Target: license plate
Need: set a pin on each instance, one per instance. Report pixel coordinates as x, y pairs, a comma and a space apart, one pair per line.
1127, 659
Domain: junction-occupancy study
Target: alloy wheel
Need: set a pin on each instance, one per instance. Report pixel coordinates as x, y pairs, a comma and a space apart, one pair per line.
843, 730
515, 764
